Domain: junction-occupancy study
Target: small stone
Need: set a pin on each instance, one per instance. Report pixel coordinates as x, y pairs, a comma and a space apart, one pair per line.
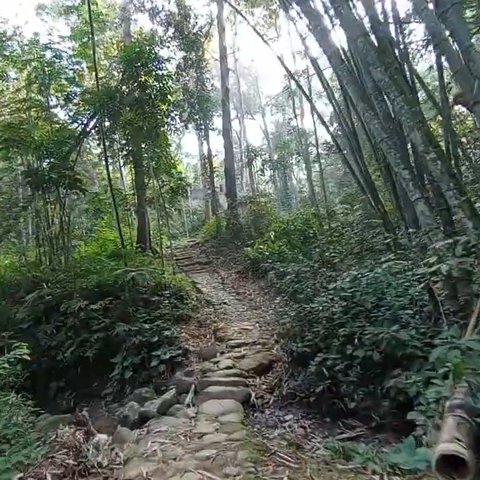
208, 353
178, 411
165, 423
218, 408
205, 427
214, 438
239, 394
233, 417
231, 427
173, 452
204, 455
232, 471
238, 436
129, 416
166, 401
138, 468
259, 363
122, 436
212, 381
225, 364
191, 476
142, 396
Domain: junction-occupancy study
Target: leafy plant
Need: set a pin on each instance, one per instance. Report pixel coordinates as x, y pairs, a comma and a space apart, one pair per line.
19, 443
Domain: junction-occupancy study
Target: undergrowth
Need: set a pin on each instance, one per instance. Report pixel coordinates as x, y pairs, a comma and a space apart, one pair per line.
364, 331
94, 328
20, 443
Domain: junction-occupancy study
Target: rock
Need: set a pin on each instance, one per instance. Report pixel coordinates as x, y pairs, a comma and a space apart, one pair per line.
165, 423
232, 471
240, 342
166, 402
204, 455
217, 408
232, 372
178, 411
173, 452
129, 416
226, 363
238, 436
191, 476
212, 438
231, 427
106, 424
182, 383
138, 468
122, 436
208, 353
212, 381
259, 363
149, 410
50, 423
233, 417
239, 394
204, 427
142, 396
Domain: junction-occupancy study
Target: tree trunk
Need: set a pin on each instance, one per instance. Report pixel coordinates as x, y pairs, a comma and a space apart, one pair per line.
204, 177
140, 183
317, 152
344, 74
215, 204
230, 179
143, 241
441, 43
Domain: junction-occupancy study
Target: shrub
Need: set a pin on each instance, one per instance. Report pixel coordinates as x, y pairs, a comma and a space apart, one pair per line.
20, 445
98, 323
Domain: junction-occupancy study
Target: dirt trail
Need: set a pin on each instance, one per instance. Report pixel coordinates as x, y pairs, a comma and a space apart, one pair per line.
281, 444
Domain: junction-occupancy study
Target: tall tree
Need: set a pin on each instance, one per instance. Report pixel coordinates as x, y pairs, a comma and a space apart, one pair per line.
230, 176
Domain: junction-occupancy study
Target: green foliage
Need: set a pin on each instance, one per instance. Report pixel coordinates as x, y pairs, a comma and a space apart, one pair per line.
19, 442
359, 326
124, 322
215, 229
405, 456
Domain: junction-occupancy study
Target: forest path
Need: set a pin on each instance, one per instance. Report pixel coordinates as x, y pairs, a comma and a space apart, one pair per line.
240, 365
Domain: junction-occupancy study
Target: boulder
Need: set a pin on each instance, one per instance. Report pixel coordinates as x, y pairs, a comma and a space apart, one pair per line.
239, 394
259, 363
212, 381
129, 415
217, 408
